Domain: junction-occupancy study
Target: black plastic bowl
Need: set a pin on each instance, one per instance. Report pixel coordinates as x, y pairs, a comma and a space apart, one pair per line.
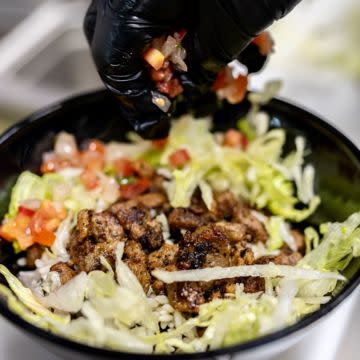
95, 115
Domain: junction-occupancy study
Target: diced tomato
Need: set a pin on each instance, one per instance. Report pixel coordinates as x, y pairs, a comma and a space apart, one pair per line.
181, 34
48, 167
230, 88
163, 87
96, 145
179, 158
25, 211
172, 88
236, 139
55, 164
220, 81
8, 231
89, 179
124, 167
44, 237
155, 58
143, 169
52, 224
92, 160
24, 240
159, 143
130, 191
264, 42
238, 90
18, 229
163, 74
175, 88
31, 226
45, 221
37, 222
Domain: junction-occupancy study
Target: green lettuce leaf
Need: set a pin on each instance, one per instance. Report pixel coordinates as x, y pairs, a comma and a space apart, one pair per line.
339, 245
256, 174
28, 186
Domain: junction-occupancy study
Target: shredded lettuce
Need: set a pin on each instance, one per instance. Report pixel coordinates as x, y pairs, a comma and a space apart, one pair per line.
111, 307
268, 147
255, 174
28, 299
31, 186
279, 233
258, 120
273, 228
116, 313
21, 310
63, 236
28, 186
311, 239
339, 245
69, 297
267, 270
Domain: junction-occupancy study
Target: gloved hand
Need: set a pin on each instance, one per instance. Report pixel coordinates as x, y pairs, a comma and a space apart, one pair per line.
218, 32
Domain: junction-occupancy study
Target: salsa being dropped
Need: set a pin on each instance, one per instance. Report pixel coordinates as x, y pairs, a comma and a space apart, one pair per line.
166, 59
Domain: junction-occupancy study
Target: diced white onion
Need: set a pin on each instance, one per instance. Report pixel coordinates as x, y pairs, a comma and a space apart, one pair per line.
65, 145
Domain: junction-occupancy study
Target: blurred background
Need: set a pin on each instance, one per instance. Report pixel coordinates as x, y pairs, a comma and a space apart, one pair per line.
44, 58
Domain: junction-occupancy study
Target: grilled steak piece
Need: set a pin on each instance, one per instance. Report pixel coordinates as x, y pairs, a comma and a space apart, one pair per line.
253, 284
102, 227
197, 205
286, 257
216, 237
86, 253
157, 184
137, 222
148, 234
234, 232
129, 213
65, 272
136, 259
299, 240
96, 235
224, 204
152, 200
33, 253
186, 297
255, 230
207, 246
241, 255
181, 218
165, 259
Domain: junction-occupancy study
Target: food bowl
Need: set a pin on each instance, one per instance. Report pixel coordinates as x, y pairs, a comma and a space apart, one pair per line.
95, 115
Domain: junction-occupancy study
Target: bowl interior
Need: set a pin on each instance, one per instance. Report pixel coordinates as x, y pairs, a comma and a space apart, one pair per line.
336, 159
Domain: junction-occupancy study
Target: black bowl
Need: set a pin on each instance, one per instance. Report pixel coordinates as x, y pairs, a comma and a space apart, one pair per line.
95, 115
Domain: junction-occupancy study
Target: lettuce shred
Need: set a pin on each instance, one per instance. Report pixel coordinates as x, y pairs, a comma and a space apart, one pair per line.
114, 312
258, 174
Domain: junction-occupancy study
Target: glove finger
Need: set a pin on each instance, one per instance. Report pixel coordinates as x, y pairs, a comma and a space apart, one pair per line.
163, 13
90, 21
252, 58
145, 117
226, 27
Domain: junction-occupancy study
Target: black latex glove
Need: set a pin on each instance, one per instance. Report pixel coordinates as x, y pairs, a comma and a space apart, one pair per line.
218, 32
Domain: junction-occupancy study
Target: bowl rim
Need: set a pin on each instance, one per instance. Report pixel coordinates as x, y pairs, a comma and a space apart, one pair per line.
239, 348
